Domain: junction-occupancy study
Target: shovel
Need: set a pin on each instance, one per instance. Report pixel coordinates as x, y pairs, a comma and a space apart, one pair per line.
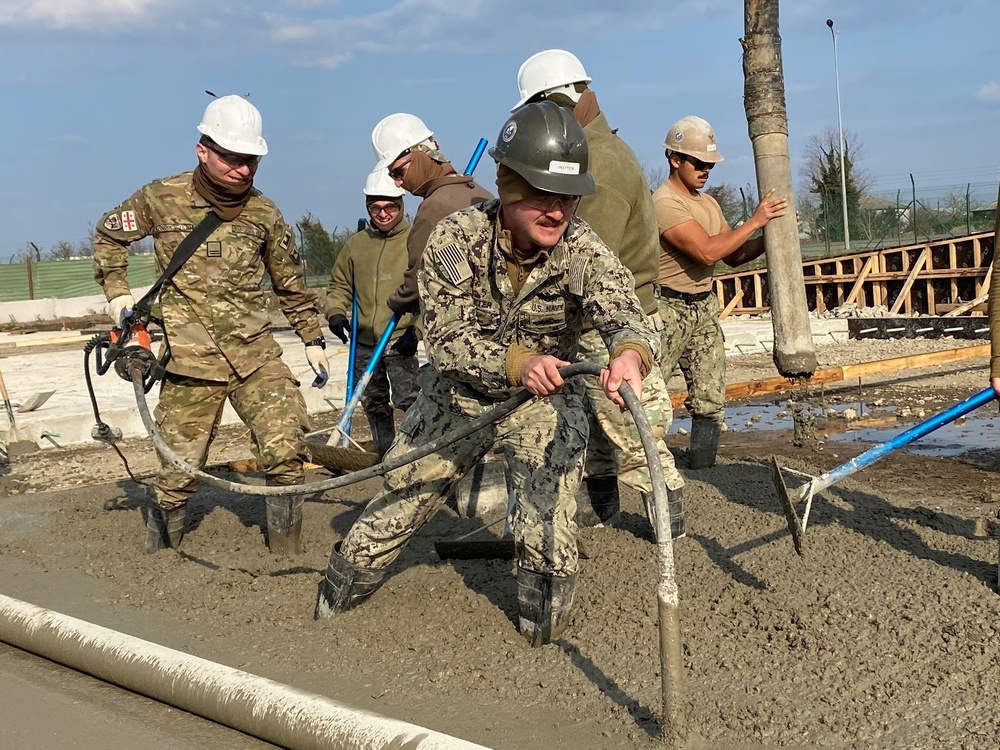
18, 447
805, 493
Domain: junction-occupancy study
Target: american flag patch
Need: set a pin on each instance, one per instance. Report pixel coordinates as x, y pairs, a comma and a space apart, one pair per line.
577, 271
454, 263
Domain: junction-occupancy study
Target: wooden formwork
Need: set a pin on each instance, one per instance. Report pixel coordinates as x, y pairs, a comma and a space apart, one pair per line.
931, 278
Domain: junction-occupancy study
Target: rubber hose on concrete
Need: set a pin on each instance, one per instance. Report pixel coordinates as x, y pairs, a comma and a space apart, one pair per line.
257, 706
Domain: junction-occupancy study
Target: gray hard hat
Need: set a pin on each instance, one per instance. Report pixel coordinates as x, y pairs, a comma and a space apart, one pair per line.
546, 145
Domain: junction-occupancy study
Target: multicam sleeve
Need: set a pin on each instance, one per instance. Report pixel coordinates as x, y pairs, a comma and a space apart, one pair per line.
284, 265
115, 231
453, 337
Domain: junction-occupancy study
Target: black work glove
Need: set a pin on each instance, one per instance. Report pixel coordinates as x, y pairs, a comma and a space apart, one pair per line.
406, 345
340, 327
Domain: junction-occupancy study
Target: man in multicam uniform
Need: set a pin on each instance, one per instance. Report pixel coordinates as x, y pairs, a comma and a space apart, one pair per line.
506, 288
621, 212
215, 319
370, 265
694, 236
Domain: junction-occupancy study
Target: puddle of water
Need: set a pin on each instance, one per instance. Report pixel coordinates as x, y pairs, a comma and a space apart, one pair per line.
976, 431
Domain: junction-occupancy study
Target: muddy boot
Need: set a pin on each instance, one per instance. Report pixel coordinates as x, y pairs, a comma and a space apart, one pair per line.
675, 507
284, 525
164, 528
345, 585
383, 433
704, 444
544, 604
597, 503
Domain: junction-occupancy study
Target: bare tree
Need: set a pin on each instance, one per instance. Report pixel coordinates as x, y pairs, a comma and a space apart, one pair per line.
656, 174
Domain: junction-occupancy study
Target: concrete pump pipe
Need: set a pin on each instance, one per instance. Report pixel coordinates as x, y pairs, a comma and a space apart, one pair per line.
257, 706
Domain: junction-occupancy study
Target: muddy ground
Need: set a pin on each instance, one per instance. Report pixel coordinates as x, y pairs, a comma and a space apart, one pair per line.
885, 634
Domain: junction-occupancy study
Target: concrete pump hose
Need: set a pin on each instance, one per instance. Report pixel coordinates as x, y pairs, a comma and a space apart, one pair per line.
671, 659
277, 713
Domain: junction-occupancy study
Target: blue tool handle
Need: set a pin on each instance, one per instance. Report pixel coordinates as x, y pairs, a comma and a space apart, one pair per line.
916, 432
476, 156
345, 418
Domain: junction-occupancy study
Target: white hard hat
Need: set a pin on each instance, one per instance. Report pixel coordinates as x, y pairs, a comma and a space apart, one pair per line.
693, 136
235, 124
395, 134
380, 184
548, 70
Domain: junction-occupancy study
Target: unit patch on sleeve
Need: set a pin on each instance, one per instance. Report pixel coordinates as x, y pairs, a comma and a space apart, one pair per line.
454, 263
113, 223
128, 221
286, 239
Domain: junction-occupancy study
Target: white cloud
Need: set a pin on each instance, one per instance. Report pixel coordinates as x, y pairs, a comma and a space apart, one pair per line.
989, 92
65, 14
327, 62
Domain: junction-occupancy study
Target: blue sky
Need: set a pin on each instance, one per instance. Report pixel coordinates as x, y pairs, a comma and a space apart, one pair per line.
101, 96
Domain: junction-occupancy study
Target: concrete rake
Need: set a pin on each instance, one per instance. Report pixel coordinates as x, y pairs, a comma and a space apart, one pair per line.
805, 493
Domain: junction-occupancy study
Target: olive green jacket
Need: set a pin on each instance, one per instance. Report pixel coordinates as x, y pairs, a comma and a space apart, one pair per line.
621, 210
373, 264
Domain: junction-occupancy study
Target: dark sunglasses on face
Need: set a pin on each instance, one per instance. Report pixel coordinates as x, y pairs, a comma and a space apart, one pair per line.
698, 164
398, 172
377, 208
233, 160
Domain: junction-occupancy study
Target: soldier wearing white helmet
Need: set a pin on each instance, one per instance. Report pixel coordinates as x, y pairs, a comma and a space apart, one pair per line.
215, 317
406, 147
370, 265
621, 212
694, 236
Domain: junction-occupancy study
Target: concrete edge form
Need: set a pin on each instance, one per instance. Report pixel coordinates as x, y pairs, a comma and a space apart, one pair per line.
262, 708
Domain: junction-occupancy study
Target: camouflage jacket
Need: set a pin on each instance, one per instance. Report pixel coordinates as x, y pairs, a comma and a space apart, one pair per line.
372, 264
472, 317
214, 310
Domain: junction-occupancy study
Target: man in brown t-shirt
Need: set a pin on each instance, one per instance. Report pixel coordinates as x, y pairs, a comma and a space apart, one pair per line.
694, 235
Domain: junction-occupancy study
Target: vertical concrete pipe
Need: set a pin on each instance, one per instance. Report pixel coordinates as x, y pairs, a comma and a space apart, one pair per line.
262, 708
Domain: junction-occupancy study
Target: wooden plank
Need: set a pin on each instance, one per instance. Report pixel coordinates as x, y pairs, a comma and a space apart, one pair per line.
944, 310
859, 282
758, 290
905, 291
984, 288
917, 360
964, 307
737, 298
748, 388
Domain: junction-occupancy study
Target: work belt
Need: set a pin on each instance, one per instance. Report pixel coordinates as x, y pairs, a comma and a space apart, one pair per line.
667, 293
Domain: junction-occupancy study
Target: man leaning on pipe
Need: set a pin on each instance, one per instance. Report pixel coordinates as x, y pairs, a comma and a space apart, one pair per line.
506, 287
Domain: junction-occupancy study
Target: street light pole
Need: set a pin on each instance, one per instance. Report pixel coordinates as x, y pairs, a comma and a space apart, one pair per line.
840, 125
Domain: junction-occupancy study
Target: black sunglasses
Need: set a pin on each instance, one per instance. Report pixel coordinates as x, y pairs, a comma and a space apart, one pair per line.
698, 164
233, 160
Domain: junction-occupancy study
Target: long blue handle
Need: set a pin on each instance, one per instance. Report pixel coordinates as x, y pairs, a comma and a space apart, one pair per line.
476, 156
352, 356
359, 388
872, 455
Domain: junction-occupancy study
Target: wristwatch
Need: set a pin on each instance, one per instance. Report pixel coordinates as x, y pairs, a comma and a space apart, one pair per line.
320, 342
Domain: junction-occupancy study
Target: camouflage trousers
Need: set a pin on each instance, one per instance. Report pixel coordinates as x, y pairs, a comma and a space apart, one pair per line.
692, 339
543, 442
393, 382
268, 402
614, 447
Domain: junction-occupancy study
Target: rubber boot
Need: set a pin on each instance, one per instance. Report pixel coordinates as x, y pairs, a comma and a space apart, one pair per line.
284, 525
345, 585
544, 603
675, 507
704, 444
164, 528
597, 503
383, 432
